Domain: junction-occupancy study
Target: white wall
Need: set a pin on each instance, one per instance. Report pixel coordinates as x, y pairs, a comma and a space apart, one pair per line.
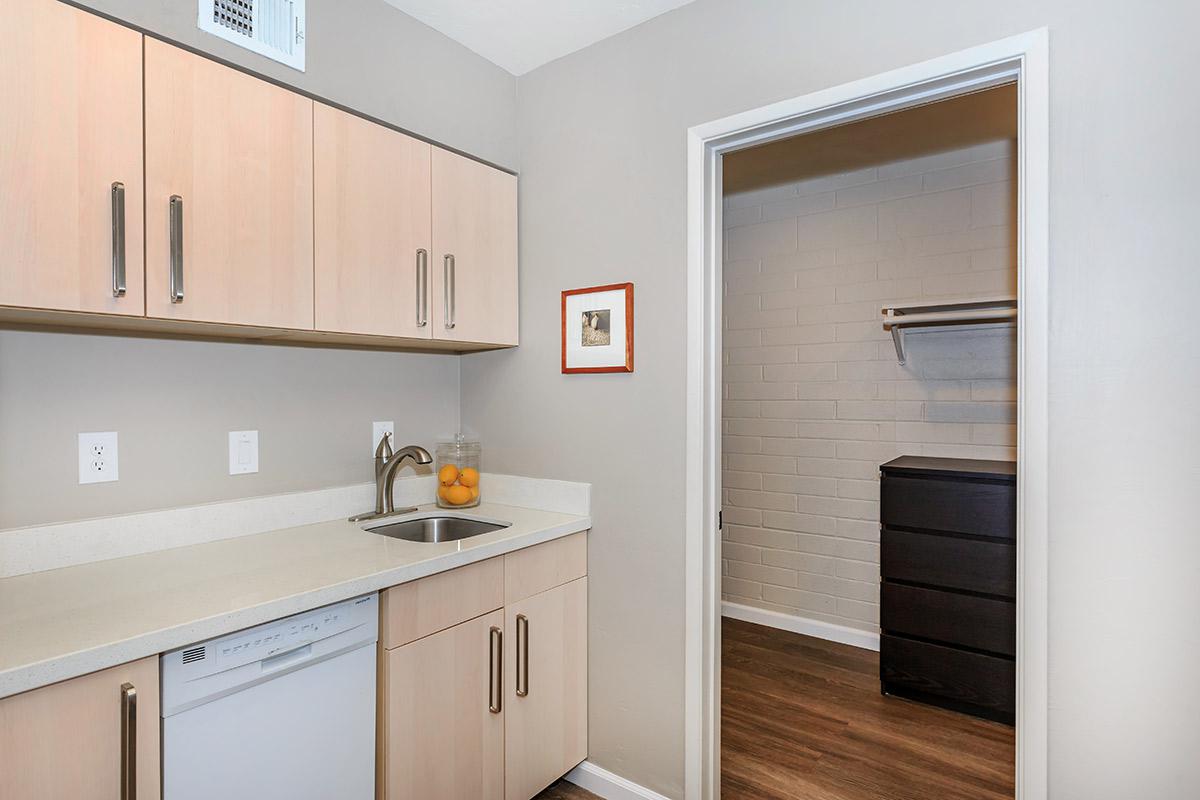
602, 151
814, 399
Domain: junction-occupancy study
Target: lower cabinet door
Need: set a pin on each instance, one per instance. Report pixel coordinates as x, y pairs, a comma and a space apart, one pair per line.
89, 738
442, 715
545, 678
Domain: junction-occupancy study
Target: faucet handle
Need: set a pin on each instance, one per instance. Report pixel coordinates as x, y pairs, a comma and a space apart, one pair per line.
382, 453
384, 450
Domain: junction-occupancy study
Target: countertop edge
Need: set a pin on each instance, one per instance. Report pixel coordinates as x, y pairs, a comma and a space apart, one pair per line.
82, 662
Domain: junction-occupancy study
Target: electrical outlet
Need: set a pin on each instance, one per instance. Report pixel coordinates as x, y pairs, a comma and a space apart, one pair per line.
243, 452
378, 431
98, 457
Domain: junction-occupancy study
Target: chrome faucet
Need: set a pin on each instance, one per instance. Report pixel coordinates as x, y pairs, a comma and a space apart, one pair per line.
387, 464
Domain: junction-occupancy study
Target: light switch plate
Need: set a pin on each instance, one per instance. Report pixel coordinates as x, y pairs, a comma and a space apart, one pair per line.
378, 429
243, 452
98, 457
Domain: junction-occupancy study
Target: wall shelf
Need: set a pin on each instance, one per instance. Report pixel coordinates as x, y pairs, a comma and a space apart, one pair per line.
962, 311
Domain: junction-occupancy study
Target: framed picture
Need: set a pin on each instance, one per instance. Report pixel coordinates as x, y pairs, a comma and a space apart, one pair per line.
597, 329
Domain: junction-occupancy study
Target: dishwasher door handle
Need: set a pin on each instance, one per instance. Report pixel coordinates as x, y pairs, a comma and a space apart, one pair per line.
287, 658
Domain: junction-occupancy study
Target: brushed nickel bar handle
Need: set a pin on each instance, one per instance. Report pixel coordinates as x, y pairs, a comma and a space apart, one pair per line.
118, 239
496, 670
522, 655
422, 287
176, 249
128, 742
448, 294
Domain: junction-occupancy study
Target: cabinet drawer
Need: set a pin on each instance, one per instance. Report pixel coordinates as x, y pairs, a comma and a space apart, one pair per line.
535, 569
973, 565
982, 508
982, 685
425, 606
961, 619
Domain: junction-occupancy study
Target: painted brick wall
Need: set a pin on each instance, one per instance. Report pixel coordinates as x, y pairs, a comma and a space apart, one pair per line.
814, 399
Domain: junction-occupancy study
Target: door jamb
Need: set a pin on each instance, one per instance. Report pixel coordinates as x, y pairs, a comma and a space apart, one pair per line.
1025, 59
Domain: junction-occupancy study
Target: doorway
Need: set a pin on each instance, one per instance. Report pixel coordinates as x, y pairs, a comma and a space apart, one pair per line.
1021, 61
915, 208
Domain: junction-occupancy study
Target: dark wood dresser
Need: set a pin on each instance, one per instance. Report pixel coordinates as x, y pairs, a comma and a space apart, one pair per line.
948, 563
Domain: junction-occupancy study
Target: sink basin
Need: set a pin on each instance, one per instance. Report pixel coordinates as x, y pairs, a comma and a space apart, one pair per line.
436, 529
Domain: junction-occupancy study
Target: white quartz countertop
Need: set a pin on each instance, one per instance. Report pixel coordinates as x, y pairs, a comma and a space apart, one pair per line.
67, 622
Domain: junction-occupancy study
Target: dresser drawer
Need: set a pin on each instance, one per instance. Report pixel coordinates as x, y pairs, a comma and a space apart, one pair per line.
980, 623
973, 565
981, 508
978, 684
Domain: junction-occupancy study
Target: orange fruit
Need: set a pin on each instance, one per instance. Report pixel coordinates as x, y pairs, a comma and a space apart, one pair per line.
442, 491
469, 476
474, 492
448, 474
458, 495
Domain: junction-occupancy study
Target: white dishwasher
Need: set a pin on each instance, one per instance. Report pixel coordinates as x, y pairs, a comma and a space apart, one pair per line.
284, 710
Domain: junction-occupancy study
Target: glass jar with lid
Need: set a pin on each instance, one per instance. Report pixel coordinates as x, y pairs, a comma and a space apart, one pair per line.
458, 473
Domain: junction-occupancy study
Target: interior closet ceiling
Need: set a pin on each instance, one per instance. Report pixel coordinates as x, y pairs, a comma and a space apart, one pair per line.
521, 35
984, 116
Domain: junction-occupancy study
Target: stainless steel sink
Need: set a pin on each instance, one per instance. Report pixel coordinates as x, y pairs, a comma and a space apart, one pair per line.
436, 529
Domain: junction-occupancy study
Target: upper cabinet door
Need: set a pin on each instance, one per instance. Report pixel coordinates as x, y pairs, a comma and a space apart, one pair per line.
372, 222
474, 251
70, 131
229, 187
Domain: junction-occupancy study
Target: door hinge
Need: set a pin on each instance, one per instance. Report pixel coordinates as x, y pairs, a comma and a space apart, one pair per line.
720, 520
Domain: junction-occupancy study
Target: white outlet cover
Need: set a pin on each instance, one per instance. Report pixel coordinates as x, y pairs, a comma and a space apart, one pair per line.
378, 429
98, 457
243, 452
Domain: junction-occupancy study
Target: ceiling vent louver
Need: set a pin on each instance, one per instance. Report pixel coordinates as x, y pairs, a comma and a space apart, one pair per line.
272, 28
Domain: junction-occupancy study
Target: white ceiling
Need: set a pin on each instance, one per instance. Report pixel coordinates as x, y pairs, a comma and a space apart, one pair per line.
520, 35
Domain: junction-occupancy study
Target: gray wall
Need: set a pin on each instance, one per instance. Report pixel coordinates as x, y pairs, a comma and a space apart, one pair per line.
173, 402
603, 199
372, 58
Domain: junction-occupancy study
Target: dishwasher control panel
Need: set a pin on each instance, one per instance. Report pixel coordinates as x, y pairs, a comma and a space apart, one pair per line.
220, 665
278, 637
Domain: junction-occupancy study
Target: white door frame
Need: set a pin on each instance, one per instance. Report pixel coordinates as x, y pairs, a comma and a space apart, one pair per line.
1025, 59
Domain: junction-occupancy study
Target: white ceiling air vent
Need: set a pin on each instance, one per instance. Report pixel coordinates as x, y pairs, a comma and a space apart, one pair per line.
273, 28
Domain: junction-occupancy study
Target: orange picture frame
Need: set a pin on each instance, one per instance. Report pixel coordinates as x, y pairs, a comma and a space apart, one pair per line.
628, 365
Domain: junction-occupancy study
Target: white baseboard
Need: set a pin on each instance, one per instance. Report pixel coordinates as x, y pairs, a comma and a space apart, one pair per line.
809, 627
609, 785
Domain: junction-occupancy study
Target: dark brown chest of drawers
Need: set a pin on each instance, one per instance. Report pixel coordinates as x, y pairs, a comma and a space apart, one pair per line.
948, 562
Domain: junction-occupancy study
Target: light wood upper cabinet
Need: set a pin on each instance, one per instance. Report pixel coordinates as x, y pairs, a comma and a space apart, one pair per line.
238, 152
66, 740
545, 680
443, 735
232, 202
372, 221
474, 251
71, 127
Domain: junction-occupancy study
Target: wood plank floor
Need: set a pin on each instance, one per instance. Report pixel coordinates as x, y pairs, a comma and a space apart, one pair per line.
562, 790
802, 719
